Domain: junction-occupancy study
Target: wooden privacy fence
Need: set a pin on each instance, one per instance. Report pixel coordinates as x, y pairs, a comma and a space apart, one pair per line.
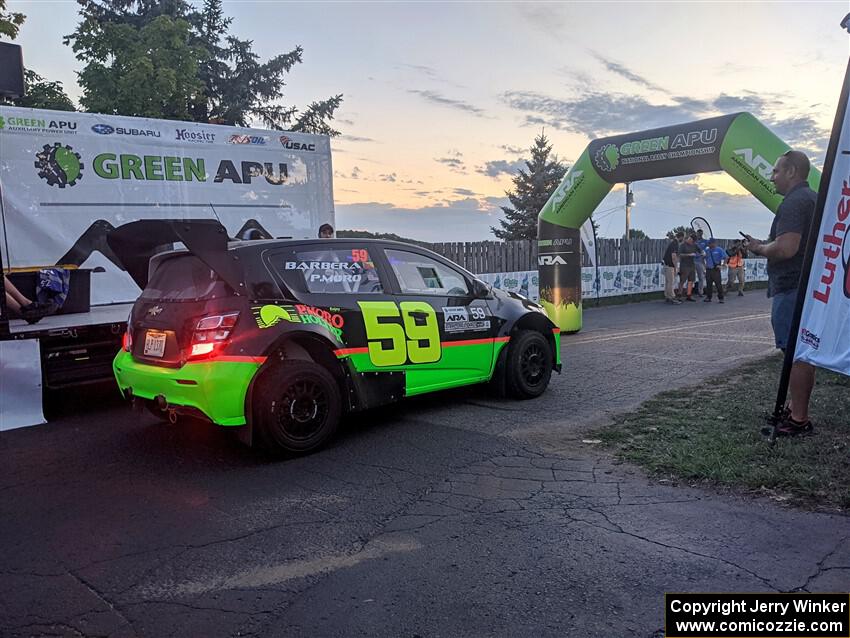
513, 256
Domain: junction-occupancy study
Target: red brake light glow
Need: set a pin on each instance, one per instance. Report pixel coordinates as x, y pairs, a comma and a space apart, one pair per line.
211, 333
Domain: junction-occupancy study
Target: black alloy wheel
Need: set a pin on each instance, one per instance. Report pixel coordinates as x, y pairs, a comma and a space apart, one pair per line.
296, 406
529, 364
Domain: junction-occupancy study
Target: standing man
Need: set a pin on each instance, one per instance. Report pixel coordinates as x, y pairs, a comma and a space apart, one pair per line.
699, 262
785, 250
670, 260
735, 266
687, 250
714, 257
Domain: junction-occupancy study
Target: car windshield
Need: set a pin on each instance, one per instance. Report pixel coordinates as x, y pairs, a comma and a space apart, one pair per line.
184, 278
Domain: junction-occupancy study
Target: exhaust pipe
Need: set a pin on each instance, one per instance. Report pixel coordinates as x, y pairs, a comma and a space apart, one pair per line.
160, 402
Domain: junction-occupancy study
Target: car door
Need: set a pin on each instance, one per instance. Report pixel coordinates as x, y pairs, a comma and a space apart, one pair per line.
448, 332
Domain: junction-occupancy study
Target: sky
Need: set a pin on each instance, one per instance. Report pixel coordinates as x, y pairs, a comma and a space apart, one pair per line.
441, 101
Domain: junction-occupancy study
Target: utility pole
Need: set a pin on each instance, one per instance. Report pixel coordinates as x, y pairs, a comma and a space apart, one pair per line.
629, 203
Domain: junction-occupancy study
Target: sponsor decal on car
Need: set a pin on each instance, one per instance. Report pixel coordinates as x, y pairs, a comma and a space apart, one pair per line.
272, 314
461, 318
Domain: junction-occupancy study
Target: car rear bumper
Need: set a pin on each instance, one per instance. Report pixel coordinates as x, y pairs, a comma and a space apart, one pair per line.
216, 387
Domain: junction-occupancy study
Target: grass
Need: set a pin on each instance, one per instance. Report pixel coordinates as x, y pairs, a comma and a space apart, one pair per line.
710, 435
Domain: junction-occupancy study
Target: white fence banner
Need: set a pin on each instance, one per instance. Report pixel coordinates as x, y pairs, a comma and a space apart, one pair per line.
68, 178
613, 281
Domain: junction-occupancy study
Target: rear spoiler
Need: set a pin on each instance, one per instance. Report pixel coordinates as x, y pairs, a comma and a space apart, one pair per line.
135, 243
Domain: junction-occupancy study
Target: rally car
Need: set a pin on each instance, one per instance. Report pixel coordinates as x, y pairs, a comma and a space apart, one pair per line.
280, 337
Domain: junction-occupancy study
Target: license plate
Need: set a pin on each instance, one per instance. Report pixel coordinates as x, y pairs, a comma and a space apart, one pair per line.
154, 344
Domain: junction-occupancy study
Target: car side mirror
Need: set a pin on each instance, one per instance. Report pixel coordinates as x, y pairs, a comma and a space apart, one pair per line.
480, 290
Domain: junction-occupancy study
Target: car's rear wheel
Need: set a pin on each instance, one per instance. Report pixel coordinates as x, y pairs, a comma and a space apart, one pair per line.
296, 407
529, 364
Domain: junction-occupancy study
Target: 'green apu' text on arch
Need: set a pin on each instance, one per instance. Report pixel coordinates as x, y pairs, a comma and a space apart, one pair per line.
738, 144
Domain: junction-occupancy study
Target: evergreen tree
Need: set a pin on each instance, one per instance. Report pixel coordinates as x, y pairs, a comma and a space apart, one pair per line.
635, 233
10, 22
532, 188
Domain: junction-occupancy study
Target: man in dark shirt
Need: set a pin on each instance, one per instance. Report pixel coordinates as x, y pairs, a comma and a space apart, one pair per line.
785, 250
686, 252
669, 260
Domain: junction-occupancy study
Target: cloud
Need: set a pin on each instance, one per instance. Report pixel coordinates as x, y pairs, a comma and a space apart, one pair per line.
498, 167
454, 163
597, 113
424, 70
439, 98
468, 218
622, 71
391, 177
355, 174
513, 150
355, 138
464, 191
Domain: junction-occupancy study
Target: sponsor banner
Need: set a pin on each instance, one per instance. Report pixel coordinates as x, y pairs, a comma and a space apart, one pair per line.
613, 281
683, 149
824, 337
68, 178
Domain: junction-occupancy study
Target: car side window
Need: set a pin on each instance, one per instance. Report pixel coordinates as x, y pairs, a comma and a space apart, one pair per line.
328, 270
421, 275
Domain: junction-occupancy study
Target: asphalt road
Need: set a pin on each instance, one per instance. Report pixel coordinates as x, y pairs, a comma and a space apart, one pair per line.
449, 515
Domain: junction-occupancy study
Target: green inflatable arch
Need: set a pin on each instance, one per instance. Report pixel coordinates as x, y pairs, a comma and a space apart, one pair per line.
738, 143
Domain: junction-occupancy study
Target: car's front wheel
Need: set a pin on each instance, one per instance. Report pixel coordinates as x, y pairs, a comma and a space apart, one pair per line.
529, 365
296, 407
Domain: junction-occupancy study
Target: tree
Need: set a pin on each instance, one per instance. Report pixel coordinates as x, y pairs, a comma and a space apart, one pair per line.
41, 94
164, 58
685, 230
145, 71
636, 233
10, 22
238, 87
532, 188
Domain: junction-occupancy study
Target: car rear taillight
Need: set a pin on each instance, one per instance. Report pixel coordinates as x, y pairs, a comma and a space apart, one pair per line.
127, 339
211, 333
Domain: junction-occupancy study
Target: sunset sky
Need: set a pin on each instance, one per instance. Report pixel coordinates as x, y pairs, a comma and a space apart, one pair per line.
442, 100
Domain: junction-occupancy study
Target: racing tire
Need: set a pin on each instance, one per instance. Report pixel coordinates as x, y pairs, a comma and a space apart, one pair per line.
529, 365
296, 407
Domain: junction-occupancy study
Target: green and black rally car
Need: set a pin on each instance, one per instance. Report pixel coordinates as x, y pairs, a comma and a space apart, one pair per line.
280, 337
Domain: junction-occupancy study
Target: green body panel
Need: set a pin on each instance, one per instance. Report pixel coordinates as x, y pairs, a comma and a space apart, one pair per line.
458, 365
557, 336
219, 388
577, 196
748, 154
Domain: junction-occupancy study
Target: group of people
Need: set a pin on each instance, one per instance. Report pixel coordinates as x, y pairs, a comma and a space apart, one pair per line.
692, 268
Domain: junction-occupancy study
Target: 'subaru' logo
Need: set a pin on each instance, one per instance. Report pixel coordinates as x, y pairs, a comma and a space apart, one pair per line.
59, 165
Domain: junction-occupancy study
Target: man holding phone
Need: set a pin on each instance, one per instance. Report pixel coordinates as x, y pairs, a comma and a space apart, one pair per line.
785, 250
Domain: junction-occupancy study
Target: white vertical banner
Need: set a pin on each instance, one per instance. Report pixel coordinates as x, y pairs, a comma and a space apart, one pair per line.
588, 240
824, 337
